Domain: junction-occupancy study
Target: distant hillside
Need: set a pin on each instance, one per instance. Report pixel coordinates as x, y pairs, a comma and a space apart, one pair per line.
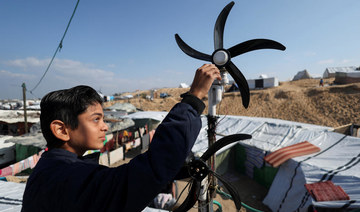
301, 101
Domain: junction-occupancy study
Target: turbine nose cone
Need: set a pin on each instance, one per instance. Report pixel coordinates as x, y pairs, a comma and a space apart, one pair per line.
220, 57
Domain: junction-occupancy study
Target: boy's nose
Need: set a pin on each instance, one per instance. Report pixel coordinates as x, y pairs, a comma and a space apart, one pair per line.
105, 127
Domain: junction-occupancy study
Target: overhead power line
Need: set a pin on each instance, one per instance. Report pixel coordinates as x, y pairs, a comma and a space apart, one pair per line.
57, 49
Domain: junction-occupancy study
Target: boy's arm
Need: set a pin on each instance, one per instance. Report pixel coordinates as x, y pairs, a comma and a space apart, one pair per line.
172, 141
132, 186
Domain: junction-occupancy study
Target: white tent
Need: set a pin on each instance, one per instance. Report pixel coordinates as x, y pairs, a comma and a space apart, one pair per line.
302, 75
263, 82
330, 71
7, 151
347, 77
183, 85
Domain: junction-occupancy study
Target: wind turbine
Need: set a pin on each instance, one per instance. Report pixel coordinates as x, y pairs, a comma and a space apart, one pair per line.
200, 168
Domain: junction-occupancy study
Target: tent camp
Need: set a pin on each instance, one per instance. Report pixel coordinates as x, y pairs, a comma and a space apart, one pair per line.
330, 71
337, 161
126, 107
302, 75
12, 121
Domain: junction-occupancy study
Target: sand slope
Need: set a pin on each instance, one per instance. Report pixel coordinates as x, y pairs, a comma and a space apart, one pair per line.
301, 101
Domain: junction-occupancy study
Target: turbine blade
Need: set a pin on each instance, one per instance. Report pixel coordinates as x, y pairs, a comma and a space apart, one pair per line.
191, 198
219, 26
223, 142
255, 44
241, 82
190, 51
233, 192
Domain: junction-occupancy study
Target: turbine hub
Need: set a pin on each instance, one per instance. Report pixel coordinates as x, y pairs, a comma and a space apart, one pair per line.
221, 57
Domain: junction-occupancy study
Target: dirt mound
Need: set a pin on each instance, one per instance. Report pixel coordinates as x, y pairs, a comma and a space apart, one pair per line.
301, 101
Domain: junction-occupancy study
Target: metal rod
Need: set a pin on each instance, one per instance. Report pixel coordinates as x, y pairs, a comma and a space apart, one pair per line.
25, 114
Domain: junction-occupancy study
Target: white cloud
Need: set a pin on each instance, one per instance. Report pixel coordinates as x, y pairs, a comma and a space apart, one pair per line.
27, 62
8, 74
65, 73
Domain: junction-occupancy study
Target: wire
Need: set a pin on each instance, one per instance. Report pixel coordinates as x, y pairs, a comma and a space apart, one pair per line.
57, 49
177, 200
219, 205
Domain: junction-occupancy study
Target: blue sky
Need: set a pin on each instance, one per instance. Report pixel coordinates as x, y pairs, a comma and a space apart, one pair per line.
118, 46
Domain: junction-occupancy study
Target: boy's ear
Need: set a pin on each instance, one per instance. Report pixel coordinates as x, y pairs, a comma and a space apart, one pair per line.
59, 130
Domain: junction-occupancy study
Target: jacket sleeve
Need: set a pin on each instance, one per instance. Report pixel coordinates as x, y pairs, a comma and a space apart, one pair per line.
171, 144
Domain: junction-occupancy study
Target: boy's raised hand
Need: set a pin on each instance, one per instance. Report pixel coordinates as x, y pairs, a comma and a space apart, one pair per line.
204, 77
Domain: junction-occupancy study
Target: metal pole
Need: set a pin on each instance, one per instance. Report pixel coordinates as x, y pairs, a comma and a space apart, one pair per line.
214, 98
25, 115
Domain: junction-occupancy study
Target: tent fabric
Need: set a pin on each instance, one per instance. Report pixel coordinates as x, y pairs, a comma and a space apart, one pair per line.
281, 155
330, 71
326, 191
347, 77
338, 159
302, 75
14, 116
122, 107
11, 196
183, 85
7, 151
263, 83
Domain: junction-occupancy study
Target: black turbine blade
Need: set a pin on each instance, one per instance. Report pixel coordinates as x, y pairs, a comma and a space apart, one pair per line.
241, 82
190, 51
233, 192
255, 44
223, 142
191, 199
219, 26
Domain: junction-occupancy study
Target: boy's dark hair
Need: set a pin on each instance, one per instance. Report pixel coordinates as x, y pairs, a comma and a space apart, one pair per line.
65, 105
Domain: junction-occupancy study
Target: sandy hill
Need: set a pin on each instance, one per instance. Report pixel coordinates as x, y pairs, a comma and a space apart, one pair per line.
301, 101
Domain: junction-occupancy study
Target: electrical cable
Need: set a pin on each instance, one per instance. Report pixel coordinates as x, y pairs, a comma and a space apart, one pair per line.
58, 48
177, 200
219, 205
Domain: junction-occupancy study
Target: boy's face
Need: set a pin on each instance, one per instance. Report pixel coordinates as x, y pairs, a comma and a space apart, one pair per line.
90, 133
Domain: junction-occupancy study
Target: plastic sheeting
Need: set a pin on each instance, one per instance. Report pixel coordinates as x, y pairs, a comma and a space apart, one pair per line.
11, 196
7, 151
337, 161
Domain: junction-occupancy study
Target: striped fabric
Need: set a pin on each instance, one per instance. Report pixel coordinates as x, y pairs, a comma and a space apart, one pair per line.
326, 191
20, 166
281, 155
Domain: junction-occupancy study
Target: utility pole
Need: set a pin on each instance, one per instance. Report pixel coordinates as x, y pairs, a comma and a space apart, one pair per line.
25, 115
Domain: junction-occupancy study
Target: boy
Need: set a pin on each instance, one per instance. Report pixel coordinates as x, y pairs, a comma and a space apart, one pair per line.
72, 122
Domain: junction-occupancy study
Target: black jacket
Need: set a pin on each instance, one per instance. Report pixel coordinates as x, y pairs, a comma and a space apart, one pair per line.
61, 181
